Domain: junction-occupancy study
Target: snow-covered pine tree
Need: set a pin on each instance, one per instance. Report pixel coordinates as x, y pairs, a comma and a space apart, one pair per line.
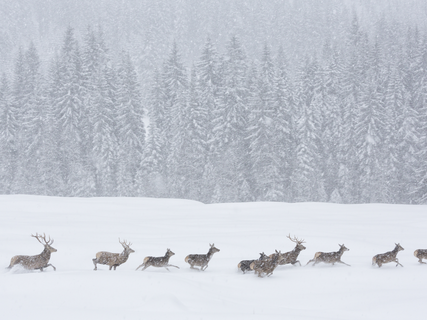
230, 157
307, 177
352, 80
99, 109
331, 121
262, 133
175, 85
8, 136
67, 99
204, 100
130, 127
418, 68
18, 100
284, 115
394, 95
33, 111
370, 129
152, 173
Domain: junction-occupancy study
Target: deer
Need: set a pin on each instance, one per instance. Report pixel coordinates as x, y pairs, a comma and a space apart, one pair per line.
201, 260
245, 265
113, 259
329, 257
292, 256
387, 257
37, 262
158, 261
266, 267
421, 254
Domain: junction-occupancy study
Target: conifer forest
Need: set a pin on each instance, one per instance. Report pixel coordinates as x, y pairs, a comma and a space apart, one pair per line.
215, 100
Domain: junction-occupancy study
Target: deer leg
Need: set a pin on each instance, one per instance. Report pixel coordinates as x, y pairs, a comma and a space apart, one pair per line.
343, 263
50, 265
310, 261
142, 265
192, 267
398, 264
171, 265
419, 260
95, 262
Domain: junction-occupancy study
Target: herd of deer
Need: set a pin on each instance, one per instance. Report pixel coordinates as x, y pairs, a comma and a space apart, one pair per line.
263, 266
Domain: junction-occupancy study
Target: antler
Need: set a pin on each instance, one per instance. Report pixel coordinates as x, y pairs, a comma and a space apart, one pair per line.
124, 244
39, 236
295, 239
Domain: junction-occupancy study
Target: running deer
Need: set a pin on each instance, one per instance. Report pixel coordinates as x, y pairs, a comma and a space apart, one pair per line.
421, 254
387, 257
292, 256
158, 261
39, 261
113, 259
266, 267
329, 257
201, 260
245, 265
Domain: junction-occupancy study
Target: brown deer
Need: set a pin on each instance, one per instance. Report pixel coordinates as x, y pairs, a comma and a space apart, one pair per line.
158, 261
245, 265
329, 257
201, 260
113, 259
266, 267
292, 256
39, 261
421, 254
387, 257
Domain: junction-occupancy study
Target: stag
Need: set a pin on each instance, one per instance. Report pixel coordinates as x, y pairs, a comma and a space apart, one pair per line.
158, 261
201, 260
39, 261
113, 259
329, 257
387, 257
292, 256
245, 265
421, 254
266, 267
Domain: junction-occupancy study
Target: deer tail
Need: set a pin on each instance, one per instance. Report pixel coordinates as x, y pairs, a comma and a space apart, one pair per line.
416, 253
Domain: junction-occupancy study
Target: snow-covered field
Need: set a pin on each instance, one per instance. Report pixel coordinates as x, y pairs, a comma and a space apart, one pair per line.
81, 227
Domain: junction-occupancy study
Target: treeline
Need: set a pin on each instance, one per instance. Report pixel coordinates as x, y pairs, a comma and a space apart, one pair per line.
348, 125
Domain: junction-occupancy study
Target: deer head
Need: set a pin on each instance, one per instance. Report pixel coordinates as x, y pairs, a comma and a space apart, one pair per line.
399, 247
169, 253
213, 249
126, 246
297, 241
47, 243
343, 248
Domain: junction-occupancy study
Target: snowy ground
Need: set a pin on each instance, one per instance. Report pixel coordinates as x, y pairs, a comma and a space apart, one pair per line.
82, 227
